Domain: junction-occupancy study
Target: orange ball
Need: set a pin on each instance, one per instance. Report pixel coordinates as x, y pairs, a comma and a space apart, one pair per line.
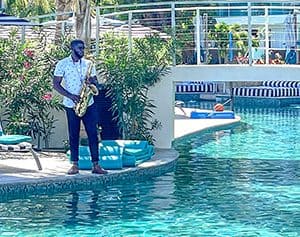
219, 107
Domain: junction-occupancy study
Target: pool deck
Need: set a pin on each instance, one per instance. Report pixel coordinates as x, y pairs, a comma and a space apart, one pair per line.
19, 174
183, 125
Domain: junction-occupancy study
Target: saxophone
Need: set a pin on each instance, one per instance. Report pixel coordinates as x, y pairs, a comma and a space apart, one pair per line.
86, 93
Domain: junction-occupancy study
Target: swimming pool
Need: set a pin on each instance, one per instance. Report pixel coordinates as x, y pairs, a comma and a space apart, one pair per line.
243, 181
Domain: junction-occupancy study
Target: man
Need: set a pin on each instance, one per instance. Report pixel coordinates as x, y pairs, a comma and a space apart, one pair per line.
69, 76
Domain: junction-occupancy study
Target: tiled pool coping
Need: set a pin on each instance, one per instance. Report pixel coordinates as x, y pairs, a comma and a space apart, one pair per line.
22, 178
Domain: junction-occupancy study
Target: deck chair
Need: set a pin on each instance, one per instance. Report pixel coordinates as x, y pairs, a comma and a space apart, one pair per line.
18, 143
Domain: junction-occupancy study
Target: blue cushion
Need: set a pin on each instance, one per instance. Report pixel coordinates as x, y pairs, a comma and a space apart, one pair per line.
125, 143
110, 143
135, 152
114, 154
111, 161
84, 162
110, 157
134, 160
135, 144
109, 150
222, 115
14, 139
197, 115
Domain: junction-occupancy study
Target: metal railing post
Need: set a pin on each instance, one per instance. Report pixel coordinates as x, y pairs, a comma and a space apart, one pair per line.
205, 39
23, 32
173, 26
249, 34
97, 29
130, 32
63, 28
198, 49
267, 35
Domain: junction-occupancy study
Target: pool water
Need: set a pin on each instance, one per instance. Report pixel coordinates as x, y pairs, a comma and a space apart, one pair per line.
243, 181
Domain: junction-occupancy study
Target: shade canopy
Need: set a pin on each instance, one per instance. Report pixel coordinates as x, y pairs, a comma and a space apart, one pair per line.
14, 21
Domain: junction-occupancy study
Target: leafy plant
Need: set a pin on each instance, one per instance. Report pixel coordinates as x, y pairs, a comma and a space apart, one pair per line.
26, 84
129, 75
220, 34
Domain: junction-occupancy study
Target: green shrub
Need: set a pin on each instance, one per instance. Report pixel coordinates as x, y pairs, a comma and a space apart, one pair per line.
26, 97
129, 75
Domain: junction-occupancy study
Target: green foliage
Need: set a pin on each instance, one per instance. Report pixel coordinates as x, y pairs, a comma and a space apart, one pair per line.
128, 78
26, 8
220, 35
26, 97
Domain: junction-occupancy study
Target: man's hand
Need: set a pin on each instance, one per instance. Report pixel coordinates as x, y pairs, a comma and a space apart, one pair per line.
92, 80
74, 98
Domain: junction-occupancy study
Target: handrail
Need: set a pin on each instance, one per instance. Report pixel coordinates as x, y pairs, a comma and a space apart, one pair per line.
247, 9
196, 3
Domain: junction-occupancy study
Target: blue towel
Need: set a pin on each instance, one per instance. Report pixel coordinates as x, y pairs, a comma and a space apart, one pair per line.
14, 139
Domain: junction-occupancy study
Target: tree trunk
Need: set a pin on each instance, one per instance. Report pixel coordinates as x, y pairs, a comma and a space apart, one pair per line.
83, 21
62, 6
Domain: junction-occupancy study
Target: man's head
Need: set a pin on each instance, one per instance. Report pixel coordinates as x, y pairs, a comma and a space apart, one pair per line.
77, 47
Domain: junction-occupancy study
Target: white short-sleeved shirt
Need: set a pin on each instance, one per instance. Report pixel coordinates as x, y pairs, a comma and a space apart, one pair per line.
73, 74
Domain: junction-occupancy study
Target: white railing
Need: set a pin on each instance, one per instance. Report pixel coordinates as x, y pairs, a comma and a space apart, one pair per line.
272, 47
190, 25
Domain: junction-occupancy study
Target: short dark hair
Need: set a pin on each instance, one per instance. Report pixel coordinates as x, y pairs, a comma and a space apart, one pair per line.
75, 42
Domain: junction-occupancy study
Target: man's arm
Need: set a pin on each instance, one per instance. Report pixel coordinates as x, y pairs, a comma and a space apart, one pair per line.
58, 87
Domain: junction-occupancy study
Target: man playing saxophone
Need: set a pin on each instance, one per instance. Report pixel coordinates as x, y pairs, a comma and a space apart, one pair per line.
70, 75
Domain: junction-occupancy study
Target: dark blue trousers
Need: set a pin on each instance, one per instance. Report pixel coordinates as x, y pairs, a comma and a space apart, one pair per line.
90, 125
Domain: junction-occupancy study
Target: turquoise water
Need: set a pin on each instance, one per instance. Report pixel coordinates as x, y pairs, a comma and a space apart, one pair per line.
243, 181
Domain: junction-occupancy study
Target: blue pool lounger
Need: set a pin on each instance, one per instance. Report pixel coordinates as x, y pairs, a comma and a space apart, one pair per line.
110, 158
199, 115
222, 115
212, 115
132, 157
18, 143
116, 154
134, 151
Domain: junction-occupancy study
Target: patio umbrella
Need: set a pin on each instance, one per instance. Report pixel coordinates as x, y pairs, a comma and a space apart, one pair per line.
230, 45
9, 20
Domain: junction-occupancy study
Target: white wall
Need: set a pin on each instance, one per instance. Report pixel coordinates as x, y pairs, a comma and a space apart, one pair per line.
60, 130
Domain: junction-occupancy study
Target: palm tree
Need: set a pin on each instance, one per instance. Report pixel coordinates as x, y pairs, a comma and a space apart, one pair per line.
62, 6
83, 21
82, 9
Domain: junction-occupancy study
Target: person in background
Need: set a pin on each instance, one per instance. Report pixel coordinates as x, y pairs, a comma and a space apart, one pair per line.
291, 57
69, 75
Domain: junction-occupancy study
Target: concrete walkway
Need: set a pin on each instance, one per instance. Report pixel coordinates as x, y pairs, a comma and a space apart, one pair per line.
183, 125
